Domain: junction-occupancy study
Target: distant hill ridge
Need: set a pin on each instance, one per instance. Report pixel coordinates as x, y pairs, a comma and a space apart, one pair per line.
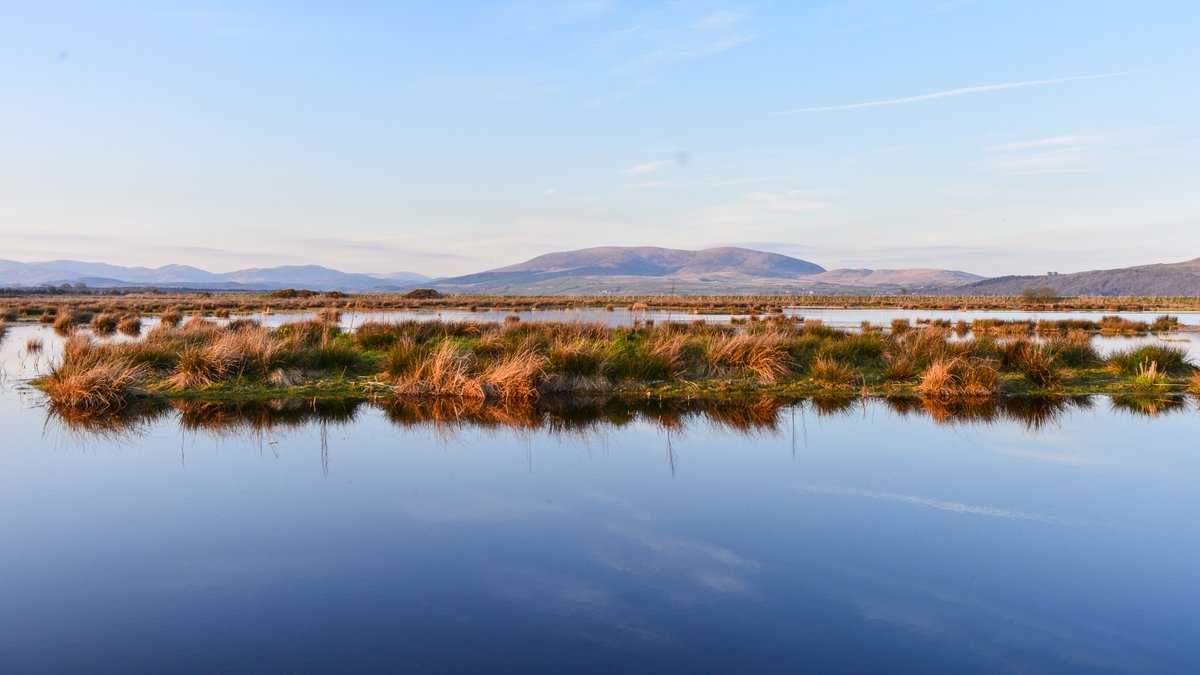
627, 271
1162, 279
101, 275
648, 269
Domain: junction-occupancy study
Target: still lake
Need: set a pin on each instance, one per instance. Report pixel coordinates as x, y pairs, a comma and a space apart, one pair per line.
803, 535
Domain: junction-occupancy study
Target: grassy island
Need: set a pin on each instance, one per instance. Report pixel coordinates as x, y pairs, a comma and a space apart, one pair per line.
518, 361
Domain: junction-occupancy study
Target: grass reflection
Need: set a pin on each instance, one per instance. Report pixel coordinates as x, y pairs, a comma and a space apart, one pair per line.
572, 415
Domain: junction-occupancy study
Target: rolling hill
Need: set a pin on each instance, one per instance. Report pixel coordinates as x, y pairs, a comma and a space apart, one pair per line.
1166, 279
101, 275
648, 270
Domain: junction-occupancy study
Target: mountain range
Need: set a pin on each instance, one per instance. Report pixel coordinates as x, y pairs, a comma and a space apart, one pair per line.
625, 271
648, 270
100, 275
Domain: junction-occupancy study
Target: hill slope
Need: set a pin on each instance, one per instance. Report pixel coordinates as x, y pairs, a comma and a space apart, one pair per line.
1169, 279
100, 275
634, 269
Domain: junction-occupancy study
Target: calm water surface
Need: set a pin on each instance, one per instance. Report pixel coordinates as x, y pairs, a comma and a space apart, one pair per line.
816, 536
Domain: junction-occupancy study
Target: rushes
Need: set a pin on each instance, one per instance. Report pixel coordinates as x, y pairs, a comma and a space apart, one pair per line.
1038, 363
1148, 377
760, 356
90, 379
515, 378
1168, 360
130, 325
831, 372
960, 378
446, 373
64, 322
170, 318
104, 324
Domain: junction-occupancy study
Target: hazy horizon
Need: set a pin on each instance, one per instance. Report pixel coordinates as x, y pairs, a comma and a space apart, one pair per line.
384, 272
994, 138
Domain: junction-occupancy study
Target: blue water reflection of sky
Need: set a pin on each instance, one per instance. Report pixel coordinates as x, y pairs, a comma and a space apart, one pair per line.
859, 540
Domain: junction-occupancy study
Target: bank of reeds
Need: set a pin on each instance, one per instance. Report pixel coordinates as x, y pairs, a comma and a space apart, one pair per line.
515, 361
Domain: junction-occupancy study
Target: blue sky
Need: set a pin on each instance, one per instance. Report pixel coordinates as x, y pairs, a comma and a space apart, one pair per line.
992, 136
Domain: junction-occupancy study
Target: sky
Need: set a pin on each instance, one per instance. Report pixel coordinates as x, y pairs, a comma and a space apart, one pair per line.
992, 136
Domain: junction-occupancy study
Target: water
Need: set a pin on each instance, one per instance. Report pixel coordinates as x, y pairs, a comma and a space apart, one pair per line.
781, 536
839, 318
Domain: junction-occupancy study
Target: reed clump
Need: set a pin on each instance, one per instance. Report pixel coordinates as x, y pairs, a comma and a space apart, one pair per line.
64, 322
1147, 378
105, 323
92, 379
1168, 360
170, 318
130, 325
960, 378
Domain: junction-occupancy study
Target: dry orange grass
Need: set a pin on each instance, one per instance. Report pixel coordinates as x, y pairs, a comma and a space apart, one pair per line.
763, 355
447, 372
89, 380
831, 372
130, 325
960, 377
516, 377
170, 318
1194, 383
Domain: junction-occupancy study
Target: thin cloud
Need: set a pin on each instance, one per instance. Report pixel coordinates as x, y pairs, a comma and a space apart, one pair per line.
963, 91
939, 504
1041, 143
648, 167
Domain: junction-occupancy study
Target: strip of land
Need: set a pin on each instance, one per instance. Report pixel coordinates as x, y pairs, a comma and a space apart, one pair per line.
518, 361
50, 308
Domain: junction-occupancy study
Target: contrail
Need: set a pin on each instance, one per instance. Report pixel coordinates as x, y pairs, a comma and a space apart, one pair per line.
946, 94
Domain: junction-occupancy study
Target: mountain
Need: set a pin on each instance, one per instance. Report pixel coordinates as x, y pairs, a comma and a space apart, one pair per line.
916, 277
1167, 279
642, 269
650, 270
101, 275
653, 261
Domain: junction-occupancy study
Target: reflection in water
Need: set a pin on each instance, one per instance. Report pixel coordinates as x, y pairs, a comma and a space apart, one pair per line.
1150, 405
581, 416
